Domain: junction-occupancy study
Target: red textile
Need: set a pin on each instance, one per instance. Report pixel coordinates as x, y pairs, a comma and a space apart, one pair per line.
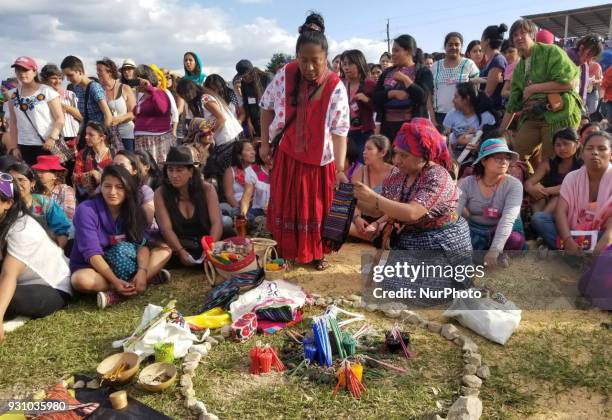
305, 137
300, 197
420, 138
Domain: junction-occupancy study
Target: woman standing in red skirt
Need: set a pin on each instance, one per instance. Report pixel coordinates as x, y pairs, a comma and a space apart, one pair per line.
306, 107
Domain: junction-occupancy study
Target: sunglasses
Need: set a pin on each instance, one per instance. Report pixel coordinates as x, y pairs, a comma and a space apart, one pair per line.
6, 185
502, 158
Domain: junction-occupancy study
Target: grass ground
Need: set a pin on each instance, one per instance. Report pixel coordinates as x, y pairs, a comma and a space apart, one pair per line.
558, 364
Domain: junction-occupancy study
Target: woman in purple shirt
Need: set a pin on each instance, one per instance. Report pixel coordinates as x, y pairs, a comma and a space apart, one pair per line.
110, 256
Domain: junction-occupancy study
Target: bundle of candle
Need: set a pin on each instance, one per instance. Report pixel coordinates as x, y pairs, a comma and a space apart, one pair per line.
350, 375
263, 359
396, 339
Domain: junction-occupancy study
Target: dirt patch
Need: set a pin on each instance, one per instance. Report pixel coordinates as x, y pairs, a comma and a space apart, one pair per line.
576, 404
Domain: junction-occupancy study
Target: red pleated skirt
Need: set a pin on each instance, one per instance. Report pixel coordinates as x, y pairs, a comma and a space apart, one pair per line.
300, 198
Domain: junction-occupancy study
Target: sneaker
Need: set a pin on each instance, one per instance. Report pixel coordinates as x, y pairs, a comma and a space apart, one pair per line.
109, 298
162, 277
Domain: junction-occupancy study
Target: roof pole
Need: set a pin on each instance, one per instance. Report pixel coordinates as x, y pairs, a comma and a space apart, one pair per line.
566, 25
610, 27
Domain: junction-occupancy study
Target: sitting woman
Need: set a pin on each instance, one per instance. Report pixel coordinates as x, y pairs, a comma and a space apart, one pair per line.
150, 172
35, 279
92, 160
110, 256
130, 162
43, 208
491, 201
544, 185
187, 208
259, 195
462, 122
373, 173
237, 180
419, 198
585, 200
52, 176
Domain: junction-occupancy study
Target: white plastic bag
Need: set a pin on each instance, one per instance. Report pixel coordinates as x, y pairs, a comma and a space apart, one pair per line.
163, 331
268, 293
495, 319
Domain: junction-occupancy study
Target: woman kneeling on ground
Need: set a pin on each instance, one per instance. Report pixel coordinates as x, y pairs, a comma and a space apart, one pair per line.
585, 201
544, 186
491, 200
35, 279
110, 255
419, 197
372, 174
187, 208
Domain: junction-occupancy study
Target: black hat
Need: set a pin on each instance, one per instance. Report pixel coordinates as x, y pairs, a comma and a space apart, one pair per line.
180, 155
243, 67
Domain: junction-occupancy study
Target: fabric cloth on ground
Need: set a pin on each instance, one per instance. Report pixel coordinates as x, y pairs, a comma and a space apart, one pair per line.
269, 294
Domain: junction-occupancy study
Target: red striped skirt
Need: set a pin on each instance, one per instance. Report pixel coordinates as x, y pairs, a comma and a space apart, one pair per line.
300, 198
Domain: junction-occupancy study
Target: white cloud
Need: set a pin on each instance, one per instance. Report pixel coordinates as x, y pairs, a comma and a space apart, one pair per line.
253, 1
148, 31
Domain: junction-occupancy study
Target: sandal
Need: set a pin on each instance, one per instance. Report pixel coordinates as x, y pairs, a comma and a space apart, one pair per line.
321, 265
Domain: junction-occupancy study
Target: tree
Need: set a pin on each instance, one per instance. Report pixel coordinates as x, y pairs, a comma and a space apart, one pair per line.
277, 61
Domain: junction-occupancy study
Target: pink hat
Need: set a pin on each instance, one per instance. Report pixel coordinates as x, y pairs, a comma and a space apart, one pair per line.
545, 36
26, 63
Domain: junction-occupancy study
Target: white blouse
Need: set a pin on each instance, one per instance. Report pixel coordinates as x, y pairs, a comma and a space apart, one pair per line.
337, 120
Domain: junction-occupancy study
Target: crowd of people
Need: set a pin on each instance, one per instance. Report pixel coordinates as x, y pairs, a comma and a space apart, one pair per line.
477, 148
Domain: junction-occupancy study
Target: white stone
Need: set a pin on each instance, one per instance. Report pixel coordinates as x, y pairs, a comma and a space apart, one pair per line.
392, 313
467, 391
465, 408
187, 392
449, 331
186, 381
469, 345
472, 359
371, 307
190, 403
483, 372
212, 341
354, 298
471, 381
219, 338
192, 357
199, 348
434, 327
226, 331
200, 408
208, 416
469, 369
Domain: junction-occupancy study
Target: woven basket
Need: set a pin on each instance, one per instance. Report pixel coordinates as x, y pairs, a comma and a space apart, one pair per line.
262, 245
268, 274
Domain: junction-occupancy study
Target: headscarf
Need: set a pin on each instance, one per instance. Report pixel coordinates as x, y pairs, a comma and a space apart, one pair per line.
197, 78
420, 138
163, 83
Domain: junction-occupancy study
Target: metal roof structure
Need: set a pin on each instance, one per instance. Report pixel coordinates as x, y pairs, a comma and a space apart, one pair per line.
577, 22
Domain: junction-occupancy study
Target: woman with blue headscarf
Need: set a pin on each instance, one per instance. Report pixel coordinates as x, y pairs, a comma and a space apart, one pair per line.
193, 68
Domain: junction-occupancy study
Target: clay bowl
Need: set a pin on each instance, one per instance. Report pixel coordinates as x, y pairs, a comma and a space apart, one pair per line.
113, 362
167, 372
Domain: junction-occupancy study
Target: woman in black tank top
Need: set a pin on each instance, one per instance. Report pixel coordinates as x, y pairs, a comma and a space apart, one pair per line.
186, 207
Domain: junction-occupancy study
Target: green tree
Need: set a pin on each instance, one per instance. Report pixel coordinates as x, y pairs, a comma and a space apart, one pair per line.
277, 61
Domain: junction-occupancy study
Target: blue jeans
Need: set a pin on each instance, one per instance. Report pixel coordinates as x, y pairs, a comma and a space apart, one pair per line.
544, 225
128, 144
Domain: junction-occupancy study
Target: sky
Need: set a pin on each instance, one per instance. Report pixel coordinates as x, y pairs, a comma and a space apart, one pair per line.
223, 32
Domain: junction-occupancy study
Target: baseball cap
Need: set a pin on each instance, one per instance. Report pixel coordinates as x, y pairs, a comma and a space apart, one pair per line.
243, 67
26, 63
